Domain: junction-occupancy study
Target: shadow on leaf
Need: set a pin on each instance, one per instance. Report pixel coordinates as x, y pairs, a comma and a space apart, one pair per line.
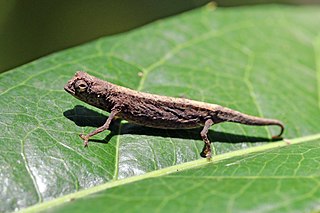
83, 116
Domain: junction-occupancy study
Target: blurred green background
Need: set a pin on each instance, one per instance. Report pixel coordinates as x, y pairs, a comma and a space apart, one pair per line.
30, 29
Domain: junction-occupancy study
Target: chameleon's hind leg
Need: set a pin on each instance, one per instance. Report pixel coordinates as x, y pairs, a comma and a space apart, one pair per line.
206, 152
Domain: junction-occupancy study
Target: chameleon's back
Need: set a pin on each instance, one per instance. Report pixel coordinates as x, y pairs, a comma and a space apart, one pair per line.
165, 112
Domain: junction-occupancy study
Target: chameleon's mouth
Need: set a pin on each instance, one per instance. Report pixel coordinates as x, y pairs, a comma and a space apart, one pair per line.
68, 89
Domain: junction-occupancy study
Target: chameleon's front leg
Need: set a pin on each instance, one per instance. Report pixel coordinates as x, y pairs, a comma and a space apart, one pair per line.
206, 152
101, 128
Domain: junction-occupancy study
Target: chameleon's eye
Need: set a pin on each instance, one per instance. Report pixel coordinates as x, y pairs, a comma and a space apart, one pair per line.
81, 86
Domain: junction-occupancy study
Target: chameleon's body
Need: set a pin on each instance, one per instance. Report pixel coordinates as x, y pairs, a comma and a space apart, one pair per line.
155, 110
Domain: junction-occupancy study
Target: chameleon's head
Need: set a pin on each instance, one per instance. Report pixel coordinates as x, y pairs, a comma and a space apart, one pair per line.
89, 89
79, 84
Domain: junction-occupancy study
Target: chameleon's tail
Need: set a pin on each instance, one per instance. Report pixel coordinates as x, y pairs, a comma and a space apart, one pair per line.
238, 117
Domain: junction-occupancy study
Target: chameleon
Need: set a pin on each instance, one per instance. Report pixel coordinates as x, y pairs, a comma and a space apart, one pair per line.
156, 111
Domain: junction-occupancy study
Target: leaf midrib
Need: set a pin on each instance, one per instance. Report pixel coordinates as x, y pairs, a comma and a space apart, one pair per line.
170, 170
316, 46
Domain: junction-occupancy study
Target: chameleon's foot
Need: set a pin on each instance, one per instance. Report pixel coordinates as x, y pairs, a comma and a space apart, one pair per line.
85, 140
206, 152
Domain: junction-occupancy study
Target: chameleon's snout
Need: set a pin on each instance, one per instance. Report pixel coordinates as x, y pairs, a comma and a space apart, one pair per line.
69, 88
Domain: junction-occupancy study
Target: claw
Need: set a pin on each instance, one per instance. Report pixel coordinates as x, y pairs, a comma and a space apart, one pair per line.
206, 153
86, 140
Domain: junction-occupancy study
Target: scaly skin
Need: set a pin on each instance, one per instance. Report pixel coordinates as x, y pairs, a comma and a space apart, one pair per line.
155, 110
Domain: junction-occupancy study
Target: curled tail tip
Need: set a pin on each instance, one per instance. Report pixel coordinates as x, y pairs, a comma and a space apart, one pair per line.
276, 137
279, 136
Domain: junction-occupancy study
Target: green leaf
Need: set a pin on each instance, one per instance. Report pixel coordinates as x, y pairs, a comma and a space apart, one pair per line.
260, 179
261, 60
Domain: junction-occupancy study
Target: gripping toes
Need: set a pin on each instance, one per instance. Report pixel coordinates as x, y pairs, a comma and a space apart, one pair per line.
85, 140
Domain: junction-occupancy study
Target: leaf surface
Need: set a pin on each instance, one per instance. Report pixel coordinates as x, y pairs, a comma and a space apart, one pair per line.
272, 180
263, 61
